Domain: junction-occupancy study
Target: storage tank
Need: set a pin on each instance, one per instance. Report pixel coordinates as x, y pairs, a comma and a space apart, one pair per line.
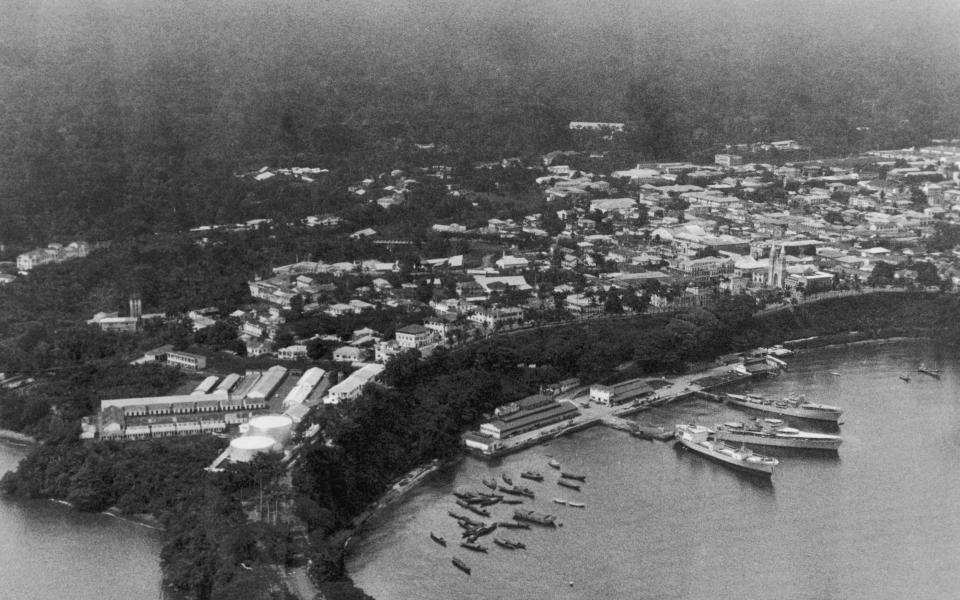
275, 427
244, 448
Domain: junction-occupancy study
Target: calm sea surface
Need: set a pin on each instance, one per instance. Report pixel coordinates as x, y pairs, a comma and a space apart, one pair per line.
879, 519
51, 552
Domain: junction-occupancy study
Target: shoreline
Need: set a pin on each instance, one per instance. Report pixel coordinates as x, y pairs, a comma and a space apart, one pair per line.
16, 438
809, 343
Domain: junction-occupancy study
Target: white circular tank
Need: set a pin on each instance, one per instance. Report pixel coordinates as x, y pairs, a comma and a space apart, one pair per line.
276, 427
244, 448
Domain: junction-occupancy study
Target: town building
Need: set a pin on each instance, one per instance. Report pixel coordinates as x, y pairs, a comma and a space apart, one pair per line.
351, 387
414, 337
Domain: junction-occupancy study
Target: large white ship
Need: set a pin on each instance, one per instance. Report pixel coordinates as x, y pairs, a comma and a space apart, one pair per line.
792, 406
700, 440
773, 432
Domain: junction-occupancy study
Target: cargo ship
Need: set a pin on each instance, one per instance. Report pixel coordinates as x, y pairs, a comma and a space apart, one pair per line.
773, 432
700, 440
792, 406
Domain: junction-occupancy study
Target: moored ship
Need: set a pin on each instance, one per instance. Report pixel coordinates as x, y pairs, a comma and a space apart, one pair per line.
773, 432
791, 406
700, 440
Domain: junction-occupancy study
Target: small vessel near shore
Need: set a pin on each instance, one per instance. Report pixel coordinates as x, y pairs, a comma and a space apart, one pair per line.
509, 544
773, 432
935, 373
516, 490
553, 464
511, 501
559, 501
567, 484
461, 565
576, 504
480, 511
700, 440
535, 517
473, 546
513, 525
566, 475
905, 378
490, 483
507, 478
438, 539
791, 406
532, 475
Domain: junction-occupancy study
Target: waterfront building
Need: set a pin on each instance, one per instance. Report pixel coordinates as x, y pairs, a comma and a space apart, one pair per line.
622, 392
528, 414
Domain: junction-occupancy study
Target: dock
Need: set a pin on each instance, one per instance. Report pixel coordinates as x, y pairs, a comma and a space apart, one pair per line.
693, 385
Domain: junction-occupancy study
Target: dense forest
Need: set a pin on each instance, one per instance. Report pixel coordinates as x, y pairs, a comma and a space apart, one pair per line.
118, 118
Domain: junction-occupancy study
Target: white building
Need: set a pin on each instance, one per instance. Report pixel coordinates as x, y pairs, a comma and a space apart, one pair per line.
351, 387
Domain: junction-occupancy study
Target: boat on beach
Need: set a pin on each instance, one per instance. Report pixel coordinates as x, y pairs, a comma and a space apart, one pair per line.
700, 440
438, 539
773, 432
935, 373
791, 406
490, 483
461, 565
507, 478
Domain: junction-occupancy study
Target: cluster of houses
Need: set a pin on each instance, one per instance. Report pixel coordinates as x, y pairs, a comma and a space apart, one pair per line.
53, 253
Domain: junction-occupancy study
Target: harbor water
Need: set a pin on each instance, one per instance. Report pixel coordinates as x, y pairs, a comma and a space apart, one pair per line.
49, 551
877, 519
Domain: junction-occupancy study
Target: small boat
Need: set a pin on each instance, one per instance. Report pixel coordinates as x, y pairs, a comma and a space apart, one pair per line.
572, 476
489, 501
473, 509
567, 484
513, 525
461, 565
935, 373
535, 517
835, 374
905, 377
553, 464
576, 504
473, 546
534, 475
438, 539
509, 544
511, 501
507, 478
559, 501
490, 483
